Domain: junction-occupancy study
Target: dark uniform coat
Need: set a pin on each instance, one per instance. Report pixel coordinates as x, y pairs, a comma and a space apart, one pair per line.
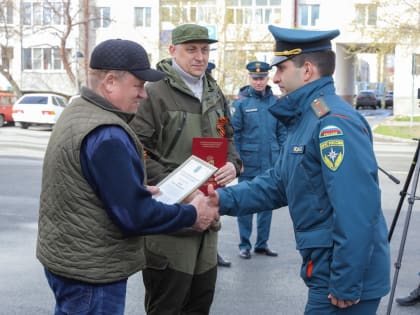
328, 176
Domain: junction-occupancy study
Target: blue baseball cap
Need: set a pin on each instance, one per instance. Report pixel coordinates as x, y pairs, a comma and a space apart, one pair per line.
258, 69
292, 42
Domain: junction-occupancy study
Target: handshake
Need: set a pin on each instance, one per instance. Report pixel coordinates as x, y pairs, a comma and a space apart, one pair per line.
207, 208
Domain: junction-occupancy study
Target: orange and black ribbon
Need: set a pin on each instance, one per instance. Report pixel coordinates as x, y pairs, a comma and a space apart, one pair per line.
221, 122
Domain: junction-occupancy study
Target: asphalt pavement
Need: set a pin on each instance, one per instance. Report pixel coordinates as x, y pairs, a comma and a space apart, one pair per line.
259, 286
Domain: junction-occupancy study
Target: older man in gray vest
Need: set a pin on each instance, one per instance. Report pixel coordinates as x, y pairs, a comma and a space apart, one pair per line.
94, 205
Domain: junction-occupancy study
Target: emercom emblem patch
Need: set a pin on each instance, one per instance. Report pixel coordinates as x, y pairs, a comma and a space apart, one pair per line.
332, 153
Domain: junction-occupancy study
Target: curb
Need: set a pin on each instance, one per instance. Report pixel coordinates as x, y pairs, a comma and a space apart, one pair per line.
390, 122
391, 138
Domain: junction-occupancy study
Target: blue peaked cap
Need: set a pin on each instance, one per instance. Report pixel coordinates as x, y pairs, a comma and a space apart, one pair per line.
258, 69
292, 42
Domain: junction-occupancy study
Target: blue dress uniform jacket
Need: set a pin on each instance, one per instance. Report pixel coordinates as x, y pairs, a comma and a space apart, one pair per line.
328, 176
258, 135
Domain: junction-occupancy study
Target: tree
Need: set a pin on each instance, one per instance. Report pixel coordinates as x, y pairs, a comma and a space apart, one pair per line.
6, 33
59, 19
384, 25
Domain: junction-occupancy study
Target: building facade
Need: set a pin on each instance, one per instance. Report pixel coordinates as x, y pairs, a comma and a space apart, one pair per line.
45, 44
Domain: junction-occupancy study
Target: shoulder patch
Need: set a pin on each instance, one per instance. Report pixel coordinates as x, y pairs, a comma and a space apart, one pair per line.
332, 153
320, 107
330, 131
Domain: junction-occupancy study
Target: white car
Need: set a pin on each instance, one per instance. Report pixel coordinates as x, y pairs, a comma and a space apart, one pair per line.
38, 109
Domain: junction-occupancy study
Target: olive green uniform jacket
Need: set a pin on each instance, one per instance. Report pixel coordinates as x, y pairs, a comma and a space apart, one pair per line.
165, 123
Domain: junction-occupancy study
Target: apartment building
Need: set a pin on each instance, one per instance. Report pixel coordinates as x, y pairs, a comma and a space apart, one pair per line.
33, 53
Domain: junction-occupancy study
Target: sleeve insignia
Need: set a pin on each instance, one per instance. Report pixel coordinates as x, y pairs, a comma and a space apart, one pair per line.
332, 153
330, 131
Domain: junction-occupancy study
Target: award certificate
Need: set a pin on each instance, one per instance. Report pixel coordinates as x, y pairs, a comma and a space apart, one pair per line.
182, 181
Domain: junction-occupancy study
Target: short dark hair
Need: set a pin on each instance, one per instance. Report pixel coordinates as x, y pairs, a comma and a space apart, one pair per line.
323, 60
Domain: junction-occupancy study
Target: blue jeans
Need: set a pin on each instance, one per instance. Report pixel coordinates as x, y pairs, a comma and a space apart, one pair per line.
82, 298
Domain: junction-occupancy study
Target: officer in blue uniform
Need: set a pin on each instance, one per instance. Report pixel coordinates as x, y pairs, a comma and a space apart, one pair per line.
328, 176
258, 137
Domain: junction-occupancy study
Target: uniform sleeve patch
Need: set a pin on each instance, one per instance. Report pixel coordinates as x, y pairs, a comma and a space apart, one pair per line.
330, 131
332, 153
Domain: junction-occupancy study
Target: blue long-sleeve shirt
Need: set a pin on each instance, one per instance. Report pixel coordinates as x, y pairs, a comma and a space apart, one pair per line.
111, 165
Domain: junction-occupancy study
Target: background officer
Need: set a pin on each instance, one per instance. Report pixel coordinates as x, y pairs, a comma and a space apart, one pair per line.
258, 137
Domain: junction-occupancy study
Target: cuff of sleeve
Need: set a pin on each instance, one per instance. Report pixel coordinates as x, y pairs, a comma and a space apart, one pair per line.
223, 201
192, 214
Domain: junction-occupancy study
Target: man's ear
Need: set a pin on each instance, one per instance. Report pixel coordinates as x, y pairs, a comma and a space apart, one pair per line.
109, 81
309, 71
172, 49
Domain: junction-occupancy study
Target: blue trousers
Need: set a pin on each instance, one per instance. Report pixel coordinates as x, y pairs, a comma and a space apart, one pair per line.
263, 229
81, 298
320, 305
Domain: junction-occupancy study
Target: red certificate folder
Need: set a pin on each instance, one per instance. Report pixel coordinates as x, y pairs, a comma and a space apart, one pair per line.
213, 151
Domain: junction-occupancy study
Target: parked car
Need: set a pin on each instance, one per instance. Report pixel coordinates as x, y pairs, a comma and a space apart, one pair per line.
6, 105
389, 99
366, 99
379, 98
38, 109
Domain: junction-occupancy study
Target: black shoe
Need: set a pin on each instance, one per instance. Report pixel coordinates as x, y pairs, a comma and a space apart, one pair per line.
222, 262
412, 299
266, 251
245, 254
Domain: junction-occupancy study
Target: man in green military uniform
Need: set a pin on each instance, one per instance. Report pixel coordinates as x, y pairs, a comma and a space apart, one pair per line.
181, 268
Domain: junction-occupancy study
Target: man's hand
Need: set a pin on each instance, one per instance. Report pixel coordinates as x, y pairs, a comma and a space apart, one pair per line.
225, 174
213, 197
206, 214
341, 303
191, 196
154, 190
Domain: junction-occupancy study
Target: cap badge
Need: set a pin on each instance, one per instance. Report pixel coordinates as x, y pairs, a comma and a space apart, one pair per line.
295, 51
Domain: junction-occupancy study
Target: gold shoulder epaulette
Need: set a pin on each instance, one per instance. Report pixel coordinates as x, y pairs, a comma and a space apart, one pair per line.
320, 107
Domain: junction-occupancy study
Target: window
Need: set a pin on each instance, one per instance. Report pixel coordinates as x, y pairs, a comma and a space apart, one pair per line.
53, 13
42, 59
6, 13
43, 13
102, 17
366, 14
202, 12
308, 14
253, 11
143, 16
